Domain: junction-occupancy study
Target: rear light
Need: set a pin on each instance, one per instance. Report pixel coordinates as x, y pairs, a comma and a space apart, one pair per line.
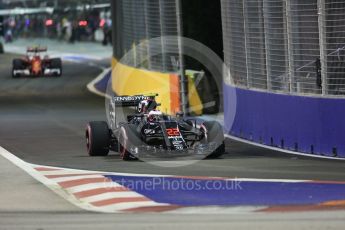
102, 23
49, 22
83, 23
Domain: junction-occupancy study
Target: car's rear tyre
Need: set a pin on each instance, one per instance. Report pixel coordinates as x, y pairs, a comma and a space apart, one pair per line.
128, 140
97, 138
56, 63
15, 75
213, 132
17, 64
1, 48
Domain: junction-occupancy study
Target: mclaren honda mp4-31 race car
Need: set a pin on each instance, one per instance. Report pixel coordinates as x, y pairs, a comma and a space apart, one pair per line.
36, 63
146, 131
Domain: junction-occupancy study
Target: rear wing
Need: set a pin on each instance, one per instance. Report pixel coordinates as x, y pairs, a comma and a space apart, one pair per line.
36, 49
129, 101
117, 114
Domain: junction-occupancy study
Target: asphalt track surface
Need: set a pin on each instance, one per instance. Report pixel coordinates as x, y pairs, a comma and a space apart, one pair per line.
42, 121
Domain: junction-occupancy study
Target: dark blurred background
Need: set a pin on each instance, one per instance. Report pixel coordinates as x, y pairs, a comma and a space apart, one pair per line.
66, 20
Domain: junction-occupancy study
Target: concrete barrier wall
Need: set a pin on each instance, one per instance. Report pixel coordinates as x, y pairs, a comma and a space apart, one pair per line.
303, 124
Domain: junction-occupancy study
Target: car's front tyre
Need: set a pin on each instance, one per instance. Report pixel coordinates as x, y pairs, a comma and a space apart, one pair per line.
14, 74
128, 140
56, 63
17, 64
213, 132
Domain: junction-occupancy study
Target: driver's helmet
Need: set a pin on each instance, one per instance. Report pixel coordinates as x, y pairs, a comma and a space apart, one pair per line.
146, 106
154, 115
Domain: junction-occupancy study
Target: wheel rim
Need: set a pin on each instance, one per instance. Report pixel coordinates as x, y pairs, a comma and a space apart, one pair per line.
204, 131
123, 144
88, 139
88, 143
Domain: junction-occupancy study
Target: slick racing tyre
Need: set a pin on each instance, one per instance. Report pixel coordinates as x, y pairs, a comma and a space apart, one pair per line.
1, 48
17, 64
128, 140
97, 138
56, 63
213, 132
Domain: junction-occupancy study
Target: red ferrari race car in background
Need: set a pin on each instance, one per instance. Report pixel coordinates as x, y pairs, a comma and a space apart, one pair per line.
36, 63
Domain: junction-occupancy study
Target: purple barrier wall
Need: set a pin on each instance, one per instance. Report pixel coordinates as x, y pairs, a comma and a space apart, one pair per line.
303, 124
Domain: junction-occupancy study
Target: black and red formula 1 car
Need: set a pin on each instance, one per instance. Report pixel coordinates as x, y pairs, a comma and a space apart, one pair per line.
147, 131
36, 63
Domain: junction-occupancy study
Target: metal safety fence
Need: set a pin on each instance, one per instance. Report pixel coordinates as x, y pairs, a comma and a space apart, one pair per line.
289, 46
138, 21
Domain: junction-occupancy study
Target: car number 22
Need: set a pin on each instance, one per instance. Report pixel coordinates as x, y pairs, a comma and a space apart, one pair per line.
173, 132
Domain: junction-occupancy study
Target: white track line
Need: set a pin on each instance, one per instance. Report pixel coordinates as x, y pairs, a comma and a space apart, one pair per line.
268, 180
91, 86
84, 203
248, 210
67, 194
282, 150
71, 178
62, 172
129, 205
47, 182
77, 171
111, 195
87, 187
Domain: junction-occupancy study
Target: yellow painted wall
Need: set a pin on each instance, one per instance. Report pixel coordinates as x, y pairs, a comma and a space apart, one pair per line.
127, 80
195, 103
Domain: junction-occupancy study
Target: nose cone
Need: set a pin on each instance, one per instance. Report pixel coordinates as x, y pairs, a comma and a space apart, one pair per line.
36, 66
